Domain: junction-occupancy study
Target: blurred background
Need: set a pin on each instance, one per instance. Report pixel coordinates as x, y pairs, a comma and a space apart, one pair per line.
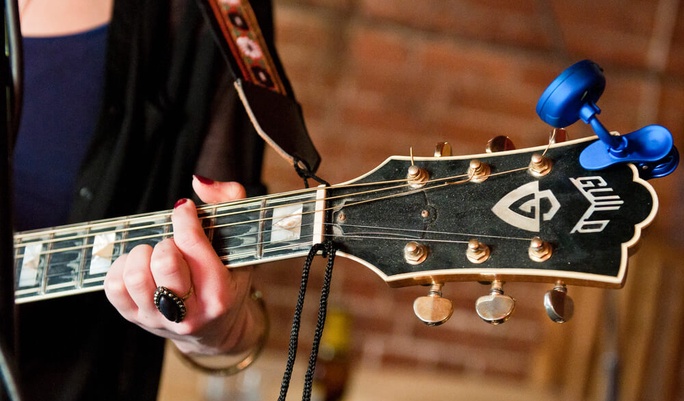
378, 77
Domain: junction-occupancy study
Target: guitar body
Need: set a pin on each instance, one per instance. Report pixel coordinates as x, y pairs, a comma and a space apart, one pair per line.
590, 219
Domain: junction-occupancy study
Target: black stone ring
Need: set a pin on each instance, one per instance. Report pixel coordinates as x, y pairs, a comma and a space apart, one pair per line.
171, 305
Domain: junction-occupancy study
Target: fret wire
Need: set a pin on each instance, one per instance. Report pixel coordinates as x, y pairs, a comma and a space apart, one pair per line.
82, 262
211, 228
46, 271
260, 230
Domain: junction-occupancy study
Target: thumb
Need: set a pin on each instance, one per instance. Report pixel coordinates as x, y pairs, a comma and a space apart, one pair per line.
210, 191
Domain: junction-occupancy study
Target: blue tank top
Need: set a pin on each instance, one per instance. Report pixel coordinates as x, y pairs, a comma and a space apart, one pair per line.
63, 83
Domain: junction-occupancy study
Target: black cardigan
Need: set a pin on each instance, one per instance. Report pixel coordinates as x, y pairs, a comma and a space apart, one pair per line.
170, 110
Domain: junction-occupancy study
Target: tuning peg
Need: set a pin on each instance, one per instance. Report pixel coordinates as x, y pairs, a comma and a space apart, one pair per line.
432, 309
558, 304
540, 165
442, 149
539, 250
477, 252
415, 253
499, 144
478, 171
495, 308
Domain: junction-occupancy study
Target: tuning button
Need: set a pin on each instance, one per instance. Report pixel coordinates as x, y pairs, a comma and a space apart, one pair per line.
558, 135
442, 149
499, 144
433, 309
558, 304
495, 308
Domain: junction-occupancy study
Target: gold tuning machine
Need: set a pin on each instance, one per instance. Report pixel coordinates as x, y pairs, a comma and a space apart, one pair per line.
433, 309
495, 308
558, 304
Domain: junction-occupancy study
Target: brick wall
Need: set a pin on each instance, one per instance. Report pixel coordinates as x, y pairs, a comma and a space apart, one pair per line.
379, 77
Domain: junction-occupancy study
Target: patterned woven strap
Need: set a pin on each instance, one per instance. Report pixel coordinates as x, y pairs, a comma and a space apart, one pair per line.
274, 112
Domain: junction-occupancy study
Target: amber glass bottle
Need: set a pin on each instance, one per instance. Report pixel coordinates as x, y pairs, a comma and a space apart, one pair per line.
332, 367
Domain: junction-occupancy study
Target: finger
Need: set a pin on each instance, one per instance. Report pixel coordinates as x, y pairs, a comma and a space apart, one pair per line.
166, 268
210, 191
116, 292
208, 273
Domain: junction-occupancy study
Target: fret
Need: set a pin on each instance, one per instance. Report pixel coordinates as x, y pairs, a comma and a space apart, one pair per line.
291, 224
236, 231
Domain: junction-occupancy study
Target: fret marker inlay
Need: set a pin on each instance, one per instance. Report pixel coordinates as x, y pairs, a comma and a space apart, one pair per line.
103, 250
30, 265
287, 223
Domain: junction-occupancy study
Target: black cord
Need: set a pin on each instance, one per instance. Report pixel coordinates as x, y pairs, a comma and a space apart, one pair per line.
329, 251
304, 170
320, 324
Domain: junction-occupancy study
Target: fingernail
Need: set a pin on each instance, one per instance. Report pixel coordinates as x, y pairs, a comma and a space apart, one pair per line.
204, 180
180, 202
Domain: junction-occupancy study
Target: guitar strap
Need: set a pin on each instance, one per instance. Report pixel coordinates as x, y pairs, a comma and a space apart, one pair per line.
261, 82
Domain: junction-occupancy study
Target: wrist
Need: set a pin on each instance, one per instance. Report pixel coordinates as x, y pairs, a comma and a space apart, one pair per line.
251, 345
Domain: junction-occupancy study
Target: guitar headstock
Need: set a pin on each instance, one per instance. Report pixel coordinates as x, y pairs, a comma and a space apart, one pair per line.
532, 215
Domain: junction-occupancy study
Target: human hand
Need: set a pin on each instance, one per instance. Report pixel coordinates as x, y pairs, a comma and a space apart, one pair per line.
220, 316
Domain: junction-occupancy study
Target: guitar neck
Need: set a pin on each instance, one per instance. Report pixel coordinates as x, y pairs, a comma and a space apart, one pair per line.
74, 259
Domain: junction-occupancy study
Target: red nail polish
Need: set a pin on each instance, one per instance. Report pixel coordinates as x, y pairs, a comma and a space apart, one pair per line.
180, 202
204, 180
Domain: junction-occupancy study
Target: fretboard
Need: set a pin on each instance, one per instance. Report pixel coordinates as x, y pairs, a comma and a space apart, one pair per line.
74, 259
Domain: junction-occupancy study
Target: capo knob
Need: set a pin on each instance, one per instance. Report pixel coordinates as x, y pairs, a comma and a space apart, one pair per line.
433, 309
558, 304
495, 308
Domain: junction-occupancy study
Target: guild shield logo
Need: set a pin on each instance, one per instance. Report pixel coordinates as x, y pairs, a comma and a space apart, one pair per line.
522, 207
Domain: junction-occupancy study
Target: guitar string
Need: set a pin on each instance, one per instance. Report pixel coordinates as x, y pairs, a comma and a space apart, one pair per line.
165, 224
101, 225
71, 272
